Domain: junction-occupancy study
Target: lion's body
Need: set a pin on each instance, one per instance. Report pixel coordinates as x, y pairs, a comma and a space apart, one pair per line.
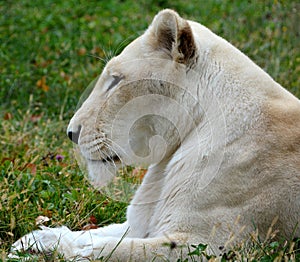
230, 162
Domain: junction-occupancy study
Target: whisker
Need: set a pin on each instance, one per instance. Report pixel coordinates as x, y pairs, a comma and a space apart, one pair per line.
115, 152
104, 148
110, 52
108, 55
121, 45
112, 161
97, 57
116, 145
94, 143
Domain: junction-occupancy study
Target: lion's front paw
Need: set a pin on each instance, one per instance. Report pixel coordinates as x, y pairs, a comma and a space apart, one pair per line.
39, 241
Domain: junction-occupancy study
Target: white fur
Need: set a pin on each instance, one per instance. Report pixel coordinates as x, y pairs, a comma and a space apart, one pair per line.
221, 138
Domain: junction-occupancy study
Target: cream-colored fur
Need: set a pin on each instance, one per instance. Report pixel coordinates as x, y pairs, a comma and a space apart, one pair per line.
222, 139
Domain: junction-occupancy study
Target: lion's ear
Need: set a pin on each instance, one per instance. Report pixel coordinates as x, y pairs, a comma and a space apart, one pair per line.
174, 35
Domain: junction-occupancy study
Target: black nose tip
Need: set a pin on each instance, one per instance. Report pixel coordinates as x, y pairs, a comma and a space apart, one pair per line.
74, 136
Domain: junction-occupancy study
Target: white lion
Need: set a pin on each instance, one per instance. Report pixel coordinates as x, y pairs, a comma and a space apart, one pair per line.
222, 139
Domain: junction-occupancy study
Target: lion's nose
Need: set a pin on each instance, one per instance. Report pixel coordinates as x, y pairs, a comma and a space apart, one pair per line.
74, 135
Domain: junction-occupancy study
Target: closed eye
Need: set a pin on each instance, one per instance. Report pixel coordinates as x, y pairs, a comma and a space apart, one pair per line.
115, 81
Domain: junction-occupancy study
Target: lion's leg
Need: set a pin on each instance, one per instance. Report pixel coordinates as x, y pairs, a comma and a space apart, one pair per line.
168, 248
94, 244
62, 237
114, 230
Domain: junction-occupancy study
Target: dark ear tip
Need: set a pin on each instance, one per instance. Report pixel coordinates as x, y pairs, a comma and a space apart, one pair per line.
187, 45
174, 35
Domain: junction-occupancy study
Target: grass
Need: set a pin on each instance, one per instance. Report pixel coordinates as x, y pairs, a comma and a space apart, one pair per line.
48, 56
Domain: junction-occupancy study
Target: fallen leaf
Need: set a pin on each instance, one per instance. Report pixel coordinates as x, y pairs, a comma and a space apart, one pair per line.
36, 118
81, 51
45, 30
47, 213
65, 76
7, 116
90, 226
93, 220
139, 172
41, 83
40, 220
12, 160
32, 168
88, 18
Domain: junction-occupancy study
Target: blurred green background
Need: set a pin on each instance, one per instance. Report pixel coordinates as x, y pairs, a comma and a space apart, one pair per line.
57, 41
49, 53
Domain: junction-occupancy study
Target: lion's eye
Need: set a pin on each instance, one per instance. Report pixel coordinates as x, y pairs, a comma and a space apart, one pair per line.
115, 81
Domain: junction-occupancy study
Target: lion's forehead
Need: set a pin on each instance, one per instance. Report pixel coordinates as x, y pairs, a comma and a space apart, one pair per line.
140, 60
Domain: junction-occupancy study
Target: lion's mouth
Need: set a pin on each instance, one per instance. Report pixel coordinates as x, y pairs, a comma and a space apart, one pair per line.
110, 159
100, 156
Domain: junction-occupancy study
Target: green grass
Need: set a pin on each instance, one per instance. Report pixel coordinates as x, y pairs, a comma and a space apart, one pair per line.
48, 53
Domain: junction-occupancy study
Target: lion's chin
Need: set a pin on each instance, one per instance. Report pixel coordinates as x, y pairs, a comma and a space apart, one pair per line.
100, 173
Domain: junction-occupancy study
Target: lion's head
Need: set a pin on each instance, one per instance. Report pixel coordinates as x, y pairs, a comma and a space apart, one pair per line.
140, 108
